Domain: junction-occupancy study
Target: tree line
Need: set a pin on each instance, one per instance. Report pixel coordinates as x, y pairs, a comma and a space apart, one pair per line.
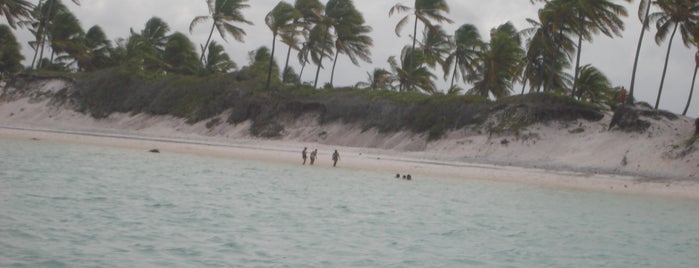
543, 58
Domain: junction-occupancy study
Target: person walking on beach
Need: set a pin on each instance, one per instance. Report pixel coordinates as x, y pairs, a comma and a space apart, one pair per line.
313, 156
303, 155
336, 156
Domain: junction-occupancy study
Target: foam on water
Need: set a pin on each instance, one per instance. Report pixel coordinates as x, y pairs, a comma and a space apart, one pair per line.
80, 206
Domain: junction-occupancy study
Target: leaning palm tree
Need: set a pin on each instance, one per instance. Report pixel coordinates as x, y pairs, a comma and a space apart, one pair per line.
99, 48
644, 7
310, 15
464, 56
10, 56
500, 63
351, 32
436, 45
282, 18
673, 14
224, 14
45, 12
16, 10
590, 17
425, 11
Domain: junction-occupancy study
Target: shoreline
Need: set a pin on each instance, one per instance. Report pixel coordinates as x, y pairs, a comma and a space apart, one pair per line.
391, 162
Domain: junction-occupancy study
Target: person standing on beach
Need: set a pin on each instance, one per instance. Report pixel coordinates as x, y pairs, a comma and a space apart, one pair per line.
303, 155
336, 156
313, 156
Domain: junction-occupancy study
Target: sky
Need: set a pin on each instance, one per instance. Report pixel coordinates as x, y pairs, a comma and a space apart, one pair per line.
614, 57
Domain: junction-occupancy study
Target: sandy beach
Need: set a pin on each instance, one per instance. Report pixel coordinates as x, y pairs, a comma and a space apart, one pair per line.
386, 162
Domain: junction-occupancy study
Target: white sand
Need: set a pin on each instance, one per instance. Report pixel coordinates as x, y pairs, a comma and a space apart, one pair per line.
656, 163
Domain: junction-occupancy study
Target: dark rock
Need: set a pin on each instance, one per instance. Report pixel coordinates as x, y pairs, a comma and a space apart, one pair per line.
155, 151
627, 119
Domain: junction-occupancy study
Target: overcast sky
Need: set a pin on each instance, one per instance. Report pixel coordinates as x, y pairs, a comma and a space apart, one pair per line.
613, 56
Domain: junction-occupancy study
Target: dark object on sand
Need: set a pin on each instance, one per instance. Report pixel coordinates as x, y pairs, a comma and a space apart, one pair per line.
409, 177
155, 151
628, 118
397, 175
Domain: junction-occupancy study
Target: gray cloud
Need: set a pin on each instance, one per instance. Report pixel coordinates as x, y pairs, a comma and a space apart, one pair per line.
613, 56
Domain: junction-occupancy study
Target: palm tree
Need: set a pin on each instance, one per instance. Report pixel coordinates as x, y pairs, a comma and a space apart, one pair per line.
145, 49
464, 57
282, 18
45, 12
436, 45
592, 16
67, 37
643, 15
500, 63
352, 37
378, 79
695, 41
15, 11
10, 56
547, 49
310, 15
673, 14
224, 14
416, 74
180, 55
425, 11
217, 61
99, 48
593, 85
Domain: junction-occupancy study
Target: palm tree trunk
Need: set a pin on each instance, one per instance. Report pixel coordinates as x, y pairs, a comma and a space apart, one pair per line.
691, 89
206, 46
303, 66
43, 36
39, 33
667, 58
286, 65
577, 61
412, 56
453, 75
332, 73
271, 62
524, 84
629, 100
322, 53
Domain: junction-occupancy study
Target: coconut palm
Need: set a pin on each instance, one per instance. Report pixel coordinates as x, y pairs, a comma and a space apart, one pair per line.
282, 18
464, 57
593, 85
180, 55
10, 56
547, 49
310, 14
67, 38
224, 14
145, 49
500, 63
673, 15
378, 79
416, 74
351, 33
99, 48
695, 42
644, 7
217, 61
45, 12
16, 10
425, 11
591, 17
436, 45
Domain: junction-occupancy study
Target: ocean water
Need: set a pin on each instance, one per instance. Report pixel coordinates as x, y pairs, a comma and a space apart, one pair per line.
82, 206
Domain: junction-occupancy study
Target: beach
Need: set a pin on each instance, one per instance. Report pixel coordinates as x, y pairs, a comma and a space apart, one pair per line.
584, 155
386, 162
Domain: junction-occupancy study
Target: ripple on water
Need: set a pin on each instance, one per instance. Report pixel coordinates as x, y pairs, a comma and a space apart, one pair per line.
123, 208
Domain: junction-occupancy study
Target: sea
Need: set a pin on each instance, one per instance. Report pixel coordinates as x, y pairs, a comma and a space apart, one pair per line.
66, 205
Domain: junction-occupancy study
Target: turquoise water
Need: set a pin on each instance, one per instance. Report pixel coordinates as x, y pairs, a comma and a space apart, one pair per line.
82, 206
